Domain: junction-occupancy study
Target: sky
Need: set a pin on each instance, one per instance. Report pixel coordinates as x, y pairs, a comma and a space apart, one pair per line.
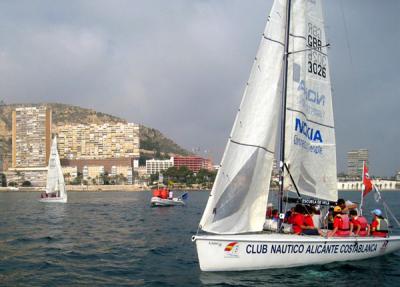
181, 66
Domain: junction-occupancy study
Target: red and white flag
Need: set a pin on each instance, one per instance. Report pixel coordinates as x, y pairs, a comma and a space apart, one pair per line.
366, 181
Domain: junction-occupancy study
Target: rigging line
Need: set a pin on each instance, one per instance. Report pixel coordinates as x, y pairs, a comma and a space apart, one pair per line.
291, 178
272, 40
252, 145
346, 32
313, 49
390, 212
311, 121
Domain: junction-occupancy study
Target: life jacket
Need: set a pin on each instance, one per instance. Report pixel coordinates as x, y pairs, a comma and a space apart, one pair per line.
382, 229
164, 193
344, 226
344, 223
308, 220
297, 218
383, 225
157, 193
364, 225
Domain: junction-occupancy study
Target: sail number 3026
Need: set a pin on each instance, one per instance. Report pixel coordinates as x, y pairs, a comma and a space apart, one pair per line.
316, 69
317, 60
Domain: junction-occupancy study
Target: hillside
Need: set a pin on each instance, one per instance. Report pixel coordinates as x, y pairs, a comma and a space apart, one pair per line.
151, 140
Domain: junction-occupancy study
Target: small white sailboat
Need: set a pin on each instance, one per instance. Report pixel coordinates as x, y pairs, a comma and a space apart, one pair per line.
176, 201
55, 185
161, 197
289, 83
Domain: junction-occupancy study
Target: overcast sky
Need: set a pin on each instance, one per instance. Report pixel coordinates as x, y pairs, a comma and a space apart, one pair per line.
180, 66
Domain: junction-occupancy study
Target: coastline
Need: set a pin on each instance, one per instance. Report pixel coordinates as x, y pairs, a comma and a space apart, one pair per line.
129, 188
96, 188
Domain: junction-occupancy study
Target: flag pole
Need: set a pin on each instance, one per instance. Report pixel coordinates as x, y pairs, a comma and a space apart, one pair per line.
362, 187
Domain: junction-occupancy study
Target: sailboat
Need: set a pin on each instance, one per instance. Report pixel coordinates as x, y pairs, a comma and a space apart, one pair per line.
289, 87
55, 186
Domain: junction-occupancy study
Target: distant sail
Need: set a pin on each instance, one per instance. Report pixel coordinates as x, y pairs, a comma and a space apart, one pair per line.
310, 135
237, 202
55, 178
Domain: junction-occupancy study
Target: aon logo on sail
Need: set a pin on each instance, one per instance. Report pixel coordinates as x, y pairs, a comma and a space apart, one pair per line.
311, 133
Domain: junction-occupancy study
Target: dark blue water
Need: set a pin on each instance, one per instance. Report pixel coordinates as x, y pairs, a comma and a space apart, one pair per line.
116, 239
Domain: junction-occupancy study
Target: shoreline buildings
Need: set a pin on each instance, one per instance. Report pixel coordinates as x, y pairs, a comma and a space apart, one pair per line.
355, 159
31, 137
97, 150
154, 166
86, 151
31, 142
194, 163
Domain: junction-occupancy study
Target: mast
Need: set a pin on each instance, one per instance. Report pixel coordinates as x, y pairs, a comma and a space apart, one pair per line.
283, 111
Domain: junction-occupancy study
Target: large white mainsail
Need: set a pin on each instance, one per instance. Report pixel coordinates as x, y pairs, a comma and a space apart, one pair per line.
310, 149
55, 178
238, 199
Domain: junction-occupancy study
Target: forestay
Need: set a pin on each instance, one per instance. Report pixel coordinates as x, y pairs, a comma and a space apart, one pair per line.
238, 199
310, 137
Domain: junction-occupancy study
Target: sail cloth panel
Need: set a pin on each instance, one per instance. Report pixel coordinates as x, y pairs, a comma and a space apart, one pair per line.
310, 136
52, 170
237, 202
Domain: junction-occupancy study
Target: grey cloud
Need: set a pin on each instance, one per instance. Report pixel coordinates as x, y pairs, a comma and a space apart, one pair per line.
181, 66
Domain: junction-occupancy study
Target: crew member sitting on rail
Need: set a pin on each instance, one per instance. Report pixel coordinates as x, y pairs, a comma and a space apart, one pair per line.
379, 225
298, 223
358, 224
341, 223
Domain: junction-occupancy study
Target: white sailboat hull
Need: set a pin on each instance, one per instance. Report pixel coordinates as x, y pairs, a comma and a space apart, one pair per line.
267, 251
156, 201
54, 199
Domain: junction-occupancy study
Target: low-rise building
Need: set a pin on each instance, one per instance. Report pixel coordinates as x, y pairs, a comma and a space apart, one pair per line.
194, 163
70, 172
154, 166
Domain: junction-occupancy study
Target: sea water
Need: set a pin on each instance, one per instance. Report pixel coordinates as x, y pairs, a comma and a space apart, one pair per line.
117, 239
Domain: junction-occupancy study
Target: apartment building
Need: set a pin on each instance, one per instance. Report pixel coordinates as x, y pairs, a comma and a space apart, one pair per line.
355, 159
31, 137
94, 141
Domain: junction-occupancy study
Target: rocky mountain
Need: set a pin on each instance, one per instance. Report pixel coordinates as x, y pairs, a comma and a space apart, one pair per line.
152, 141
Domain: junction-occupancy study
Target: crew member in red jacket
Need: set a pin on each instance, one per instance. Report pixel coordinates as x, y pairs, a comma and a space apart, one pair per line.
341, 223
358, 224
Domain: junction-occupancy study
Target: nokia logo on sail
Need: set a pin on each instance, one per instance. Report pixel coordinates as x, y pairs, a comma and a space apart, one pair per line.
311, 95
311, 133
